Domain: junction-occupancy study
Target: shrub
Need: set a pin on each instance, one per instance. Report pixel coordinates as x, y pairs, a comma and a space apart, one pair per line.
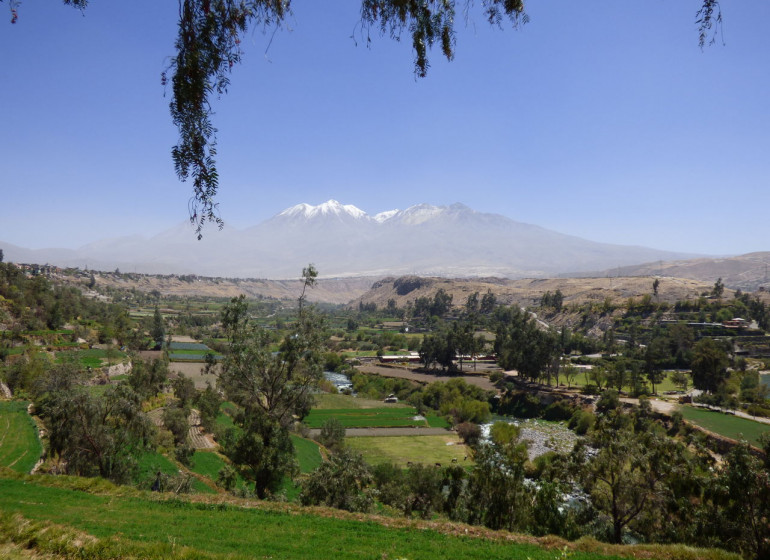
590, 389
757, 410
469, 432
340, 483
559, 410
332, 433
581, 422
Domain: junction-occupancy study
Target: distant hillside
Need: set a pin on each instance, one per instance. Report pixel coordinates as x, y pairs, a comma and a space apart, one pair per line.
528, 292
328, 290
748, 272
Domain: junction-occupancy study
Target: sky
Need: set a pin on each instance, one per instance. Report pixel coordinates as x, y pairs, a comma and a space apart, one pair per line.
599, 119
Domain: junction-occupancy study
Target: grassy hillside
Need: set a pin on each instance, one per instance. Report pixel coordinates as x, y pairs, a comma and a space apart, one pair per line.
123, 523
19, 445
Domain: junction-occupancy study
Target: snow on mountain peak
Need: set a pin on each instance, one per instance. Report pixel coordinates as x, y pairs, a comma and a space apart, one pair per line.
385, 216
328, 208
421, 213
417, 214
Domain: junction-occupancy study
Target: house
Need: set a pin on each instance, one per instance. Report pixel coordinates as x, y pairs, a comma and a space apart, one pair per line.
735, 323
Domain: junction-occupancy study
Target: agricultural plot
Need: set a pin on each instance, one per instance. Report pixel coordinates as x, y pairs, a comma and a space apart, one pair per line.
154, 529
190, 352
373, 418
725, 424
209, 463
327, 401
92, 357
20, 447
356, 412
444, 449
308, 454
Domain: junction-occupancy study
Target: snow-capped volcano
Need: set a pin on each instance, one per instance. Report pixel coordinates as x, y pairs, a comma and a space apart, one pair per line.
328, 208
343, 240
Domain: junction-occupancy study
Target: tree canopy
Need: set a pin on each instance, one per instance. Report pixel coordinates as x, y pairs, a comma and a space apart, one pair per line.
208, 45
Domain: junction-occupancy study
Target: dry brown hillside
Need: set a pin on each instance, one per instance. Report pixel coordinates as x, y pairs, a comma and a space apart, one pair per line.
330, 290
528, 292
748, 272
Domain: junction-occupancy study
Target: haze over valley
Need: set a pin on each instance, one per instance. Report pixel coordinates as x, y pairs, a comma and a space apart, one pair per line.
343, 240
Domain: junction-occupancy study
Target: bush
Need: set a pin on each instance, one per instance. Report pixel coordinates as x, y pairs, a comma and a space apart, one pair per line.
175, 419
539, 464
184, 454
332, 433
340, 483
757, 410
590, 389
559, 410
389, 481
469, 432
581, 422
520, 404
610, 400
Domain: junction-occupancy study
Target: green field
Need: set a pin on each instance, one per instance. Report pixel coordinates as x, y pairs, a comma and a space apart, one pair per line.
581, 380
355, 412
725, 424
150, 462
370, 417
150, 528
208, 464
416, 449
92, 357
308, 454
19, 445
190, 352
328, 401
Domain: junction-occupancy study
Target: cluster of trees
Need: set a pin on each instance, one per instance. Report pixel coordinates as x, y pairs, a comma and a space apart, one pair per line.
634, 477
455, 399
34, 304
452, 342
523, 345
437, 306
554, 300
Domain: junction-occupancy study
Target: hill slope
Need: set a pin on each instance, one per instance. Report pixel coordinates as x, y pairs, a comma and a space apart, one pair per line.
116, 522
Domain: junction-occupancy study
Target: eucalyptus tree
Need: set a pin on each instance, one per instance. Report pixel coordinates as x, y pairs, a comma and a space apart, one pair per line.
272, 389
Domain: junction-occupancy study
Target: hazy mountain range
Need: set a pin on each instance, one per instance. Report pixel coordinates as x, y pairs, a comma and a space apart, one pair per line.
342, 240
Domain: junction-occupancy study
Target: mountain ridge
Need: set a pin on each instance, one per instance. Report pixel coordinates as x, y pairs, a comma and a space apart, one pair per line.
344, 241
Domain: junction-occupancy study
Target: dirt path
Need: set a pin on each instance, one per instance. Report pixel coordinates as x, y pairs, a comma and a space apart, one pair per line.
402, 373
368, 432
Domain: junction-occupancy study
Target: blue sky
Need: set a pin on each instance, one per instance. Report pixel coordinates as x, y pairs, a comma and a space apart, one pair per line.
601, 119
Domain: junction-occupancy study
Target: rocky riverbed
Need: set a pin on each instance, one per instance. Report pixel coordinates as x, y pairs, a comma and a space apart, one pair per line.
542, 436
